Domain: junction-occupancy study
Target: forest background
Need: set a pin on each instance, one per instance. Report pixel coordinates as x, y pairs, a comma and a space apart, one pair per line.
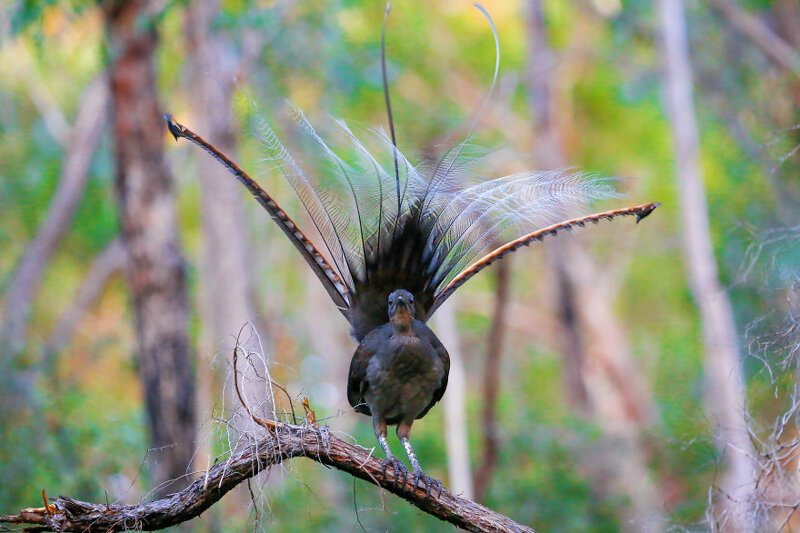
589, 389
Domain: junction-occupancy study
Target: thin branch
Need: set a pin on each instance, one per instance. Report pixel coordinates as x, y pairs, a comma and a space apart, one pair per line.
725, 384
284, 441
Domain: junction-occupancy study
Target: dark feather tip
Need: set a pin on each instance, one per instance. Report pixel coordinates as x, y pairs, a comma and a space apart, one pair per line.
646, 211
172, 127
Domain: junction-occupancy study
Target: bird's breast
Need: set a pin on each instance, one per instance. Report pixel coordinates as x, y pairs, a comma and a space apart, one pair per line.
411, 357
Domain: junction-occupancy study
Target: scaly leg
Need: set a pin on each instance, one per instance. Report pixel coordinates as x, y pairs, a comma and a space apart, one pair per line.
403, 431
380, 433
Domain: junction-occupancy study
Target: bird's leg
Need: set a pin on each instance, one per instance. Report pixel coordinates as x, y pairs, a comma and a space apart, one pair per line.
403, 431
380, 432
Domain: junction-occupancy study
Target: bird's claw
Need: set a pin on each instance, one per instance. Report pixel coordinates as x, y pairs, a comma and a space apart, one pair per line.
429, 482
397, 468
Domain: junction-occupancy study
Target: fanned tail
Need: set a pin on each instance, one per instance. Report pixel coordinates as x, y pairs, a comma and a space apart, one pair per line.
386, 225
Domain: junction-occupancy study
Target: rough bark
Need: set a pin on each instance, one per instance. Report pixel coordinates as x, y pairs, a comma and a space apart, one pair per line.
725, 386
155, 269
282, 443
24, 282
601, 378
491, 382
455, 403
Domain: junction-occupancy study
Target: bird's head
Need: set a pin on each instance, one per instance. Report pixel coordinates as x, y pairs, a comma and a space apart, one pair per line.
401, 308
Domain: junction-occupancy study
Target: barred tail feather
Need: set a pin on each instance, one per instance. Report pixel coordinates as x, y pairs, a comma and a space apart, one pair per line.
328, 276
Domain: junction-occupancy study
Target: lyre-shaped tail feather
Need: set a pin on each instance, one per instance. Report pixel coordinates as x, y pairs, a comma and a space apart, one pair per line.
479, 216
329, 212
328, 276
639, 211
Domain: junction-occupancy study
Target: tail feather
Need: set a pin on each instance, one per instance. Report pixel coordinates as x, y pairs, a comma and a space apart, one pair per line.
318, 202
639, 211
325, 272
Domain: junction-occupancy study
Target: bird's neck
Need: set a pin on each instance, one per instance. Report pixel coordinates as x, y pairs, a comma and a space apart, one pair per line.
401, 321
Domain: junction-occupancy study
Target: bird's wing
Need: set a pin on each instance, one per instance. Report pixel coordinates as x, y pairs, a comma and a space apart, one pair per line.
357, 378
329, 276
441, 352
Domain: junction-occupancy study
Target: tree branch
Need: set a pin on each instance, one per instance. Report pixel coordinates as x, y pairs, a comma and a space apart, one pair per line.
285, 441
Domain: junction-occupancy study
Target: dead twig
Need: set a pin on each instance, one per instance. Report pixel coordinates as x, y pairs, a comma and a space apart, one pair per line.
263, 422
311, 416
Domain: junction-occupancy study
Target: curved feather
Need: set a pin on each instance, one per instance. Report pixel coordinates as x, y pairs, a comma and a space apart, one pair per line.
639, 211
328, 276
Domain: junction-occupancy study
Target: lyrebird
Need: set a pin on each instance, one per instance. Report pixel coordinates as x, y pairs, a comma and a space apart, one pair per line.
395, 241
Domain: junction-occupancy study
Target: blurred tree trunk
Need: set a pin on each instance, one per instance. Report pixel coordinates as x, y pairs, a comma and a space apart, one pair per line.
725, 387
491, 381
225, 266
225, 263
454, 402
155, 268
602, 381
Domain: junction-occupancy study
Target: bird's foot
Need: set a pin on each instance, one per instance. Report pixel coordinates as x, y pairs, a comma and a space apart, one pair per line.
398, 468
429, 482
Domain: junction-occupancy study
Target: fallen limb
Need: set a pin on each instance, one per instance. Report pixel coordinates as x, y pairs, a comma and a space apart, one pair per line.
284, 441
